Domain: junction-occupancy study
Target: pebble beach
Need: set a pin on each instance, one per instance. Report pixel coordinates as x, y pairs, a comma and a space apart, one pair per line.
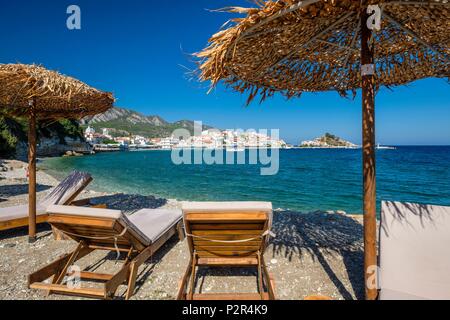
317, 253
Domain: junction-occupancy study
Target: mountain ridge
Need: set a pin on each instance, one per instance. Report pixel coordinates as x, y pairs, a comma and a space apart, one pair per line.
124, 122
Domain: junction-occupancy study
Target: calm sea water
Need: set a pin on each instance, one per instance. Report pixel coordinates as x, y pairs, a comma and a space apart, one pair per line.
308, 180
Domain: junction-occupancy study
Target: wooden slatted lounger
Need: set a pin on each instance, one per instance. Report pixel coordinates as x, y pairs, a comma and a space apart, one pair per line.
65, 193
227, 234
139, 235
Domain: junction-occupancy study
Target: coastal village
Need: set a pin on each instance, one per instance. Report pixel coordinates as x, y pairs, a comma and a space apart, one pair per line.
209, 139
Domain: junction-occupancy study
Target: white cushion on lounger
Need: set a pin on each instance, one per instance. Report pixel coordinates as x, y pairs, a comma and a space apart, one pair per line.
18, 212
85, 212
226, 206
153, 223
415, 251
147, 224
100, 213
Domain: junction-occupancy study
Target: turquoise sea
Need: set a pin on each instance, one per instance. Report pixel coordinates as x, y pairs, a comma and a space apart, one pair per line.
308, 179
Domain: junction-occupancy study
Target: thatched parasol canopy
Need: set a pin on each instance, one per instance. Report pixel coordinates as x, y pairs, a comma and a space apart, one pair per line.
294, 46
313, 45
39, 94
55, 95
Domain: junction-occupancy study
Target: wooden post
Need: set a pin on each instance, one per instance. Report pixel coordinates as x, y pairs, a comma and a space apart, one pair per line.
32, 173
369, 176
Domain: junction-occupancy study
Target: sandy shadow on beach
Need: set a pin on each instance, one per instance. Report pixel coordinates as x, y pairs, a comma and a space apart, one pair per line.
12, 190
129, 203
145, 270
245, 275
320, 235
42, 230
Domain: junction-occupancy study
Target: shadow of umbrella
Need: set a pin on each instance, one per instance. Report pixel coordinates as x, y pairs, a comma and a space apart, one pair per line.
19, 189
319, 235
129, 203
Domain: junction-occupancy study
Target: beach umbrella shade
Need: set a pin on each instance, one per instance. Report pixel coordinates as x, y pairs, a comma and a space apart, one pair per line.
291, 47
36, 93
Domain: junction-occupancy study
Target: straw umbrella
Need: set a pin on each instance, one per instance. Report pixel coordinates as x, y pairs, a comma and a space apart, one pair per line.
295, 46
36, 93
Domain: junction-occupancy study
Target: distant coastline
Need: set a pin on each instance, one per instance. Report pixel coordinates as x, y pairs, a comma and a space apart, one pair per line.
328, 147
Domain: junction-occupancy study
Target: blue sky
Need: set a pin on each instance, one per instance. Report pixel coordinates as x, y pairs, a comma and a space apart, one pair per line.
139, 50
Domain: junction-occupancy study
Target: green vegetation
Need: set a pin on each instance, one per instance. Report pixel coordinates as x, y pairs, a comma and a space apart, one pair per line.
62, 128
109, 141
122, 122
328, 140
123, 128
333, 140
13, 131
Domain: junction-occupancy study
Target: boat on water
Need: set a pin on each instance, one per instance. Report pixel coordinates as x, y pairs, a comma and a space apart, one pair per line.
380, 147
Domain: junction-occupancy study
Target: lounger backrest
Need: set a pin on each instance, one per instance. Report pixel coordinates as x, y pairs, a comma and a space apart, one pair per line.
97, 227
414, 251
66, 191
227, 229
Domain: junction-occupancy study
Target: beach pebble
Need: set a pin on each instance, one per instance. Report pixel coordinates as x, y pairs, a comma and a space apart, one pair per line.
274, 261
341, 212
8, 245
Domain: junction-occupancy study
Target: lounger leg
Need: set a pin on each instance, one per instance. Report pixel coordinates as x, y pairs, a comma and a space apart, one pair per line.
133, 269
190, 294
270, 282
183, 283
59, 276
128, 257
180, 230
272, 286
131, 280
260, 279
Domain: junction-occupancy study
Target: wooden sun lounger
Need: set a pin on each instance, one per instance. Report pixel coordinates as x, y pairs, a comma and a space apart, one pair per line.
227, 234
139, 236
65, 194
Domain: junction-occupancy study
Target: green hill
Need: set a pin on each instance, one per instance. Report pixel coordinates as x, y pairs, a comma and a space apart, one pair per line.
14, 133
125, 122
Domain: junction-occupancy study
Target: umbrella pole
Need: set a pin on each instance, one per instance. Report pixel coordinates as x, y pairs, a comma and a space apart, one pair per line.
32, 174
369, 175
